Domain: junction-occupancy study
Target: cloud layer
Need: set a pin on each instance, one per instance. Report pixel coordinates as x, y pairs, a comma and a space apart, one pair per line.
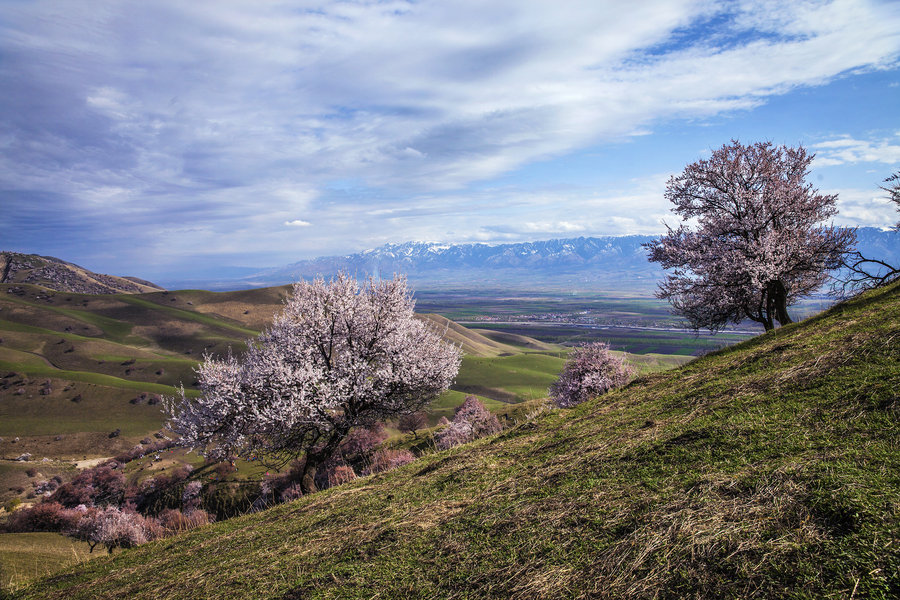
216, 128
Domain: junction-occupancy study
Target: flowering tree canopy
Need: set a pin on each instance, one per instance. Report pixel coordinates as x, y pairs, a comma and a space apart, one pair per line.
339, 356
755, 244
590, 371
471, 420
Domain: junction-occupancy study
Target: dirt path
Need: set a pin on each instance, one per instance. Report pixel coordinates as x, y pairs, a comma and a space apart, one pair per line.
91, 462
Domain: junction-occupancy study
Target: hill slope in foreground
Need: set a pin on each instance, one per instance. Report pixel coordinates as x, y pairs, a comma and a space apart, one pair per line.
769, 469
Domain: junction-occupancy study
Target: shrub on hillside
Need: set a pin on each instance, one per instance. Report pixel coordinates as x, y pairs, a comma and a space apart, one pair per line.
454, 434
190, 495
387, 459
176, 521
591, 371
341, 474
162, 491
483, 421
470, 422
412, 422
46, 516
92, 487
115, 528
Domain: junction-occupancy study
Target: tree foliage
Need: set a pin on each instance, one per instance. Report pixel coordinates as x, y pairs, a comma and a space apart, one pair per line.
114, 528
755, 242
893, 190
339, 356
591, 371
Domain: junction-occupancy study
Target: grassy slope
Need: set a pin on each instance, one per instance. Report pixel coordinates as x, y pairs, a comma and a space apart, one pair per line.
25, 556
771, 469
104, 351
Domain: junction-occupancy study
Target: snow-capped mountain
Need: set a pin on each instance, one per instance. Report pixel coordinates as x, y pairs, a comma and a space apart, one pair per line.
584, 263
557, 263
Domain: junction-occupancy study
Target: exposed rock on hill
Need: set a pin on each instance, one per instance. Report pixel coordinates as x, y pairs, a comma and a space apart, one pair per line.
55, 274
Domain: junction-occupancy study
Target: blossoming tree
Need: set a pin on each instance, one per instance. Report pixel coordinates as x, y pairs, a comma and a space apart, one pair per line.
755, 241
339, 356
590, 371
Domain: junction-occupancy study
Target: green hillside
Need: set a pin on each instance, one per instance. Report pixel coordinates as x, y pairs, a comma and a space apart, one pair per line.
769, 469
81, 374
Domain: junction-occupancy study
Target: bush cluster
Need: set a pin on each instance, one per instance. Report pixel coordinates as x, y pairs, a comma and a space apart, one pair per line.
100, 507
141, 450
591, 371
470, 422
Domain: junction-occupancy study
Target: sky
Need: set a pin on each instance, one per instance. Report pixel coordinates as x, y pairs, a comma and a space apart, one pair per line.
173, 139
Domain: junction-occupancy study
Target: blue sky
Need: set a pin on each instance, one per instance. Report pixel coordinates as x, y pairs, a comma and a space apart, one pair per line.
173, 139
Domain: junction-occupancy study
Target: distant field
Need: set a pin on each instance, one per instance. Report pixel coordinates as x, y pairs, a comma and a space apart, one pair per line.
635, 323
466, 305
637, 341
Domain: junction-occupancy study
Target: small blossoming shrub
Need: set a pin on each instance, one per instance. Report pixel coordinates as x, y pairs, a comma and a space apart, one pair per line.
386, 459
341, 474
591, 371
471, 421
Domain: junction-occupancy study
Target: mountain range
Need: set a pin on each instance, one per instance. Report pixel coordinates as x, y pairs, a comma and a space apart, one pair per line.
581, 262
584, 263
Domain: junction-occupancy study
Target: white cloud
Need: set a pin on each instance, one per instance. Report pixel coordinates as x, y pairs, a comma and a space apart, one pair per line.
155, 114
847, 150
865, 208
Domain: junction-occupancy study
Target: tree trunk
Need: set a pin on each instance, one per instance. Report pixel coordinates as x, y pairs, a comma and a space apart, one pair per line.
768, 323
779, 298
308, 481
313, 460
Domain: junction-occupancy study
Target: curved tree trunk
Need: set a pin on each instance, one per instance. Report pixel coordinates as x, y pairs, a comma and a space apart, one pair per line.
778, 294
308, 480
314, 459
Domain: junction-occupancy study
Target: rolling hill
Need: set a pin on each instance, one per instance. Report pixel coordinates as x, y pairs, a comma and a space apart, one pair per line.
81, 375
61, 276
765, 470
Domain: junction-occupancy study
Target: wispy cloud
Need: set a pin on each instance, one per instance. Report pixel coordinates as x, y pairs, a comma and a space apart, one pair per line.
137, 118
847, 150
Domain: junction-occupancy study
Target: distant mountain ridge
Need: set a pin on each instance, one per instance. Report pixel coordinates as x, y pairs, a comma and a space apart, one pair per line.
608, 262
61, 276
583, 260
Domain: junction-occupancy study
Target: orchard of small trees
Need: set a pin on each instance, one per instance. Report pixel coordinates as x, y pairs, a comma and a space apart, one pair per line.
340, 356
754, 239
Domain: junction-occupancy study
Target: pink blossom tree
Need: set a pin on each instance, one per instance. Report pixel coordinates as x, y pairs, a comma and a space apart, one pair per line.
755, 243
471, 420
893, 191
339, 356
412, 422
114, 528
591, 371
